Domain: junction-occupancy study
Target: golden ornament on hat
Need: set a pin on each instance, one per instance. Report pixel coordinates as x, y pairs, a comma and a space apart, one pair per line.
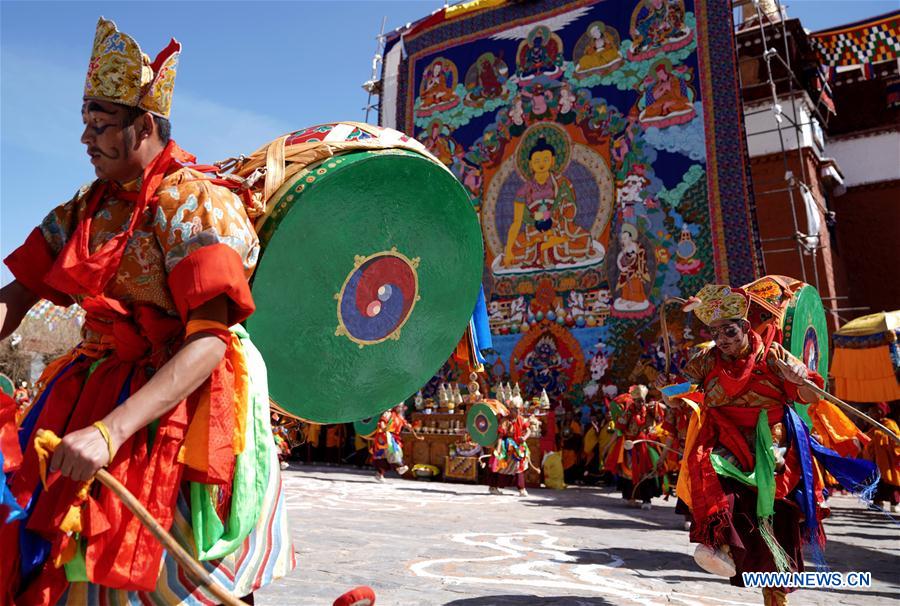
718, 302
119, 72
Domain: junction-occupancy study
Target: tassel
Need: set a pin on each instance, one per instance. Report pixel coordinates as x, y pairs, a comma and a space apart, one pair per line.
713, 530
865, 491
782, 560
817, 554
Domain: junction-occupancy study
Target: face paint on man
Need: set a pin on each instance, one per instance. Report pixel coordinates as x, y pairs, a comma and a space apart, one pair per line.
110, 135
732, 337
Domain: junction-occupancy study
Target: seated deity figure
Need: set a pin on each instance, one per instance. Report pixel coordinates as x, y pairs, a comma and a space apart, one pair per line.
539, 55
601, 51
657, 25
544, 232
435, 90
664, 95
489, 79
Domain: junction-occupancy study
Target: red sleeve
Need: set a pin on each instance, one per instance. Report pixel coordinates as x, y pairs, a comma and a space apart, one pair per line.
30, 263
207, 273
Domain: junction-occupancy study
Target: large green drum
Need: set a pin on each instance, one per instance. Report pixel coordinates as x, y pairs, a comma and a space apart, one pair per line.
369, 274
483, 421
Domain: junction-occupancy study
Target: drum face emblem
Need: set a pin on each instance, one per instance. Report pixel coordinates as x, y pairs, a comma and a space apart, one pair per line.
811, 349
482, 424
377, 297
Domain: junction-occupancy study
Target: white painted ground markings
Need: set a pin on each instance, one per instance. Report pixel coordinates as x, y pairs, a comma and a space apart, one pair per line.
533, 559
306, 493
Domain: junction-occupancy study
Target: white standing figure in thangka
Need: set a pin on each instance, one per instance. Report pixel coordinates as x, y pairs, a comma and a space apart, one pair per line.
518, 310
630, 195
576, 303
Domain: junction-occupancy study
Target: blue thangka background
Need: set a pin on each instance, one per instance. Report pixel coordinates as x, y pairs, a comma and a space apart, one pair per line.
633, 108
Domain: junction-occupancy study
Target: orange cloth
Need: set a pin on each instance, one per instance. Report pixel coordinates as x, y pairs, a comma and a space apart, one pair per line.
334, 436
683, 487
864, 375
208, 326
241, 395
835, 430
885, 452
571, 456
198, 451
311, 433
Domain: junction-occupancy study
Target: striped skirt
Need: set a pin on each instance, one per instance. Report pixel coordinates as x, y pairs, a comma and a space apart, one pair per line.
265, 555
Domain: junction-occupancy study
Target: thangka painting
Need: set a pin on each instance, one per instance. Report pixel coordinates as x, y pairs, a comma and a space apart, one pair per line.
601, 143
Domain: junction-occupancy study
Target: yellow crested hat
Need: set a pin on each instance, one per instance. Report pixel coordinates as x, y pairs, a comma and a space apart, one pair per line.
717, 302
120, 72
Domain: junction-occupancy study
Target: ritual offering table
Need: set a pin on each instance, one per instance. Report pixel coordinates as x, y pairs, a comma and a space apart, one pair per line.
435, 449
438, 431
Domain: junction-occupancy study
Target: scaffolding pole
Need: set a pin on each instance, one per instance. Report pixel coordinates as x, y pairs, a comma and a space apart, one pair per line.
371, 86
770, 31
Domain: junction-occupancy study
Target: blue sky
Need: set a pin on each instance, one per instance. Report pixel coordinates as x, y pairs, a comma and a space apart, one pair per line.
249, 72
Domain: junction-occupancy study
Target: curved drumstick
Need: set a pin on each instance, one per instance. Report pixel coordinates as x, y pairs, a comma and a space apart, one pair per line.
841, 404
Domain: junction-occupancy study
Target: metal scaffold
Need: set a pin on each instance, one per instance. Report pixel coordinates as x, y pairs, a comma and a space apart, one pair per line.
768, 18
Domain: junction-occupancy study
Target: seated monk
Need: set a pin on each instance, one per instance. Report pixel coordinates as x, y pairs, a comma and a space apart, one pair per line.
600, 52
665, 96
434, 87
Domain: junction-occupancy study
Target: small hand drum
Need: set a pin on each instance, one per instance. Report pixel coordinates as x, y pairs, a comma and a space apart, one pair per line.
483, 420
371, 265
366, 427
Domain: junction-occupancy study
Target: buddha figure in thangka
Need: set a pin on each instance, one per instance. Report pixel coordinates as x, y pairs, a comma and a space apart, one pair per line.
543, 231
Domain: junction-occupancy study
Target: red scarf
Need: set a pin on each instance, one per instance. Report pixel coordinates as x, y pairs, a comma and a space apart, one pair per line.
734, 375
77, 271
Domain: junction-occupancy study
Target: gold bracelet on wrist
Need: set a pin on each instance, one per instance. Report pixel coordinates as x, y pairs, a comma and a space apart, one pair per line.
104, 431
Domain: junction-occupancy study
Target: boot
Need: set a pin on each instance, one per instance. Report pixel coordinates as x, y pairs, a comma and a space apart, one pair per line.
774, 597
715, 561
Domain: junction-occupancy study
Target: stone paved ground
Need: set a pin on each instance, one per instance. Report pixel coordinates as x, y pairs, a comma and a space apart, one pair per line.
433, 543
